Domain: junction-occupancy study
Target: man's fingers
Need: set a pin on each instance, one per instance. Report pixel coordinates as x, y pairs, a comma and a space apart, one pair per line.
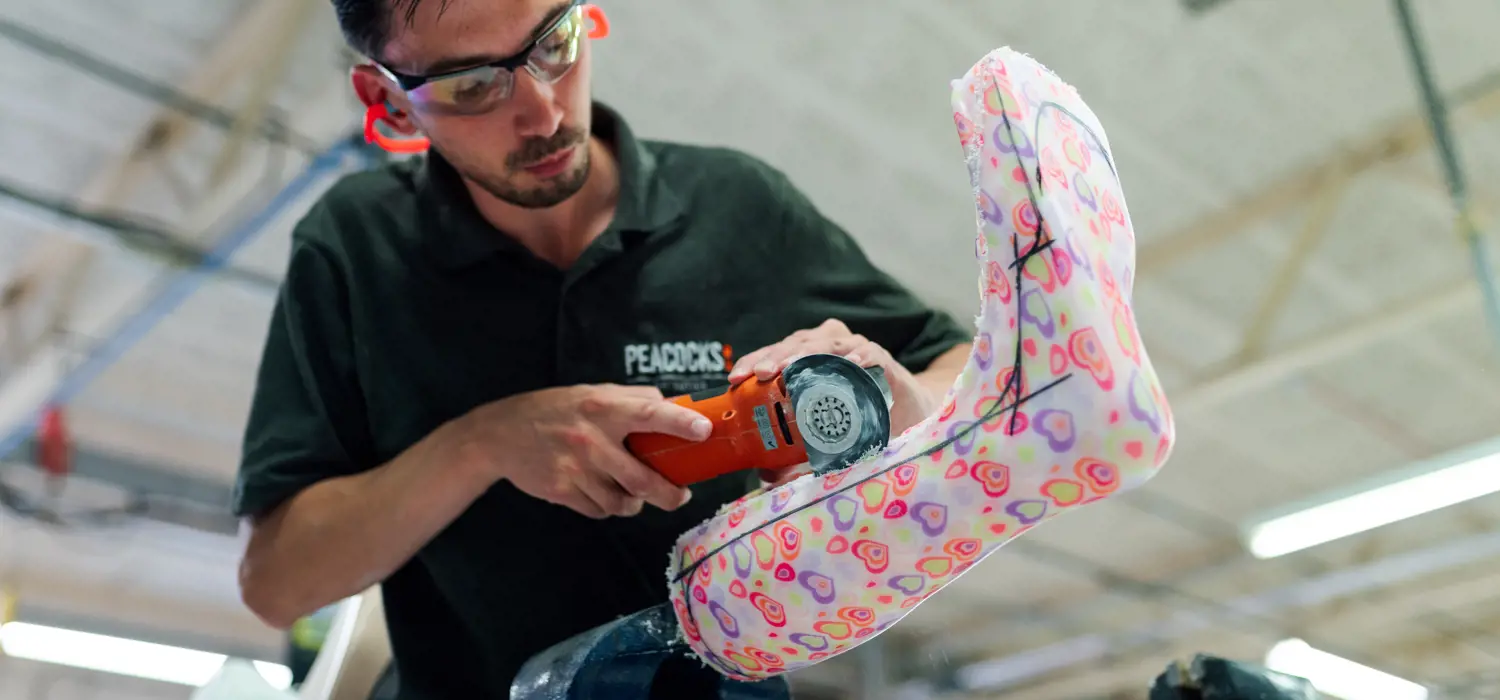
582, 504
624, 417
642, 410
838, 345
830, 336
774, 361
778, 477
767, 361
642, 481
743, 367
849, 343
785, 354
782, 354
869, 354
609, 496
834, 326
618, 483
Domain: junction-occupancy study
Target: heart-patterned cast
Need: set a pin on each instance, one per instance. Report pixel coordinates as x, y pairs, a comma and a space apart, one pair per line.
1058, 407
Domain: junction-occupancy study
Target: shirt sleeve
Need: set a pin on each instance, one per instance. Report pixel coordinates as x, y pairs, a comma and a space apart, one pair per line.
306, 420
835, 279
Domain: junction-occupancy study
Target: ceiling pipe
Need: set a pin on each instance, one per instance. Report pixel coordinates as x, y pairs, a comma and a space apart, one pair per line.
1466, 219
157, 492
117, 231
272, 129
177, 289
1010, 671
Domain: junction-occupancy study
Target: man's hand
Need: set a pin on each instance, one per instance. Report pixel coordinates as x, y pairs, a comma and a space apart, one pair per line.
912, 401
567, 446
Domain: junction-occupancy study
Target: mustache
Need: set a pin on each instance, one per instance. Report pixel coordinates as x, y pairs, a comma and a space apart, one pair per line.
539, 149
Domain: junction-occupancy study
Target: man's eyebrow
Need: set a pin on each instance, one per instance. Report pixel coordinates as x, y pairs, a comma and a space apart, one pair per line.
461, 62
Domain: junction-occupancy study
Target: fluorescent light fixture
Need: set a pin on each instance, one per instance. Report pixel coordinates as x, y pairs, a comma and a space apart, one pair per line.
276, 675
1338, 676
126, 657
1429, 486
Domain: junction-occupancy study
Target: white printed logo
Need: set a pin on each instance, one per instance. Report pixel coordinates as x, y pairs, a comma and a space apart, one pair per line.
677, 360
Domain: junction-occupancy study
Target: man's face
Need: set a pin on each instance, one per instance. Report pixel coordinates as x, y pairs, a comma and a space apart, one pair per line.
530, 149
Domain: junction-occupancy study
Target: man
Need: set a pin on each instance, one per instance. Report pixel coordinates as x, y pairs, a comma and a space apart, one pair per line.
463, 341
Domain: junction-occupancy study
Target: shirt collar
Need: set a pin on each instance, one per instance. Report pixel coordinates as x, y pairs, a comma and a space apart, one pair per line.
462, 236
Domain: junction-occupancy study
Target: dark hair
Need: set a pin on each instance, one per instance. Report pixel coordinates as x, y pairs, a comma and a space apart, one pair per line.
367, 23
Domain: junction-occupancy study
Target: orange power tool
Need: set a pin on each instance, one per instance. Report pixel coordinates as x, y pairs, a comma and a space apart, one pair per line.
822, 409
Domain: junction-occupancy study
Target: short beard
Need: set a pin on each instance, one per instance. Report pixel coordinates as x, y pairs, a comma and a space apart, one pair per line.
553, 192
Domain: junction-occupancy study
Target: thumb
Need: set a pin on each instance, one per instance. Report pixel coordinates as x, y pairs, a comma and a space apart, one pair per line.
782, 475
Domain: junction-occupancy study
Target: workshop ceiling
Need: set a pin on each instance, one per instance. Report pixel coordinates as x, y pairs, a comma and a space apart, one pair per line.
1248, 135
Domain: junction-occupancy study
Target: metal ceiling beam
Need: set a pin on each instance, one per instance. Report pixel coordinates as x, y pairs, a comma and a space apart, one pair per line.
24, 396
61, 262
1236, 380
1476, 102
67, 260
832, 105
1433, 125
55, 373
251, 32
182, 616
1365, 619
120, 76
1453, 599
1453, 171
292, 20
1015, 669
139, 476
1239, 378
1314, 229
1319, 350
109, 231
160, 493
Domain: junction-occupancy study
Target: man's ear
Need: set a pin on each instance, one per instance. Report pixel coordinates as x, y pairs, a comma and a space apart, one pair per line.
372, 89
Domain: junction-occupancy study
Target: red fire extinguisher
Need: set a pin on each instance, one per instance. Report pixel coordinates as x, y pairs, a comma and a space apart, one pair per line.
54, 450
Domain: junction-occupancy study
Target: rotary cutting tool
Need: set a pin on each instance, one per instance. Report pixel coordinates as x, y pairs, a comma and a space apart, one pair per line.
822, 409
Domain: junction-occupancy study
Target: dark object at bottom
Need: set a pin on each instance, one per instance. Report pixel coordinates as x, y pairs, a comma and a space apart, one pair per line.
388, 685
637, 657
1213, 678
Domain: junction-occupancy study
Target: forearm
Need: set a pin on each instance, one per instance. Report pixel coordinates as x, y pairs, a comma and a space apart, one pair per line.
343, 535
939, 376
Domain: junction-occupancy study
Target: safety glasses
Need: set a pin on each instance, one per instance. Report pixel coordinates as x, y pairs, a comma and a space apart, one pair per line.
548, 57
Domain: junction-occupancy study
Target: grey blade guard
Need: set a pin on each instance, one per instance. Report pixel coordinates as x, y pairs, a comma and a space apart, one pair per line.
843, 411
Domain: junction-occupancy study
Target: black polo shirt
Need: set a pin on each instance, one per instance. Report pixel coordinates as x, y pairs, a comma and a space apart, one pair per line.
402, 309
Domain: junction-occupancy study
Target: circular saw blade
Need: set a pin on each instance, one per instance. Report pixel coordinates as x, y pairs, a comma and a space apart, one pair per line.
842, 410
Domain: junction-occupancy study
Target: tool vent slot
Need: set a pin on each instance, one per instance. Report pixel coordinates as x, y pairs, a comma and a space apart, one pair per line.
786, 430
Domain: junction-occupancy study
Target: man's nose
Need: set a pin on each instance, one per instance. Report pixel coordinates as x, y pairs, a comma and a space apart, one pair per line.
537, 112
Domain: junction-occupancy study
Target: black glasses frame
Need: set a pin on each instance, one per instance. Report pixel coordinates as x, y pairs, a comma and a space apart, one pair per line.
511, 63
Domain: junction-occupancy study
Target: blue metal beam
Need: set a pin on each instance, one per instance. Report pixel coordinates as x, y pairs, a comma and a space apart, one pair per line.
181, 285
